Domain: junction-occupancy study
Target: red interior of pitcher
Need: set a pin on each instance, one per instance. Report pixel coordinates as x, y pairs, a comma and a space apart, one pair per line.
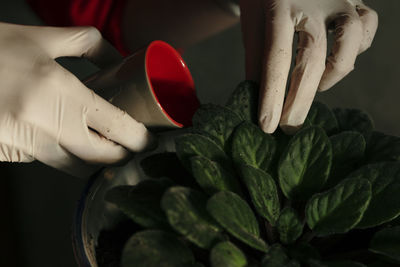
172, 83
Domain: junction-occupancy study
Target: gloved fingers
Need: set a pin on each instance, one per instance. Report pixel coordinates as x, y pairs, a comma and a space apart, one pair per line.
70, 164
10, 153
369, 20
88, 110
48, 151
91, 147
276, 65
84, 42
30, 142
348, 38
116, 125
71, 131
106, 151
253, 29
17, 147
306, 75
99, 51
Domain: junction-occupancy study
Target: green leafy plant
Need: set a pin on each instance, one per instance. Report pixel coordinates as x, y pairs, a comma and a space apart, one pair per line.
232, 195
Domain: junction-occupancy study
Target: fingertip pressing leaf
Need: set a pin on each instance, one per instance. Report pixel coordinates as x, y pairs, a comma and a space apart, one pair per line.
151, 247
263, 192
141, 202
252, 146
276, 257
244, 101
217, 121
339, 209
237, 218
212, 178
385, 193
354, 120
227, 254
289, 226
186, 211
387, 242
382, 147
282, 140
190, 145
322, 116
348, 150
305, 164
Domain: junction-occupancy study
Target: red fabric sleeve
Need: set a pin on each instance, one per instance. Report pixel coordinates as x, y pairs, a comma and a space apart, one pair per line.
105, 15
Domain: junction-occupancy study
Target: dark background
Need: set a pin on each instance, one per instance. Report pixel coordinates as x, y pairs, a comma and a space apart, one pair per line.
37, 203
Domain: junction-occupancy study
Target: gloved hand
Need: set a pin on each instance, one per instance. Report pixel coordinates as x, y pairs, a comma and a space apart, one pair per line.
268, 28
47, 114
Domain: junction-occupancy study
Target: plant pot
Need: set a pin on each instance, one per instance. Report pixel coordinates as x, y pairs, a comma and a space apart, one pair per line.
94, 214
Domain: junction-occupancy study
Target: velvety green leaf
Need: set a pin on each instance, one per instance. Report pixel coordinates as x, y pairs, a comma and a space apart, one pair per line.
307, 123
321, 115
289, 226
276, 257
387, 242
263, 192
244, 101
186, 212
339, 209
385, 193
190, 145
305, 164
154, 248
354, 120
282, 140
348, 150
382, 147
252, 146
236, 217
227, 254
206, 134
141, 202
217, 121
212, 177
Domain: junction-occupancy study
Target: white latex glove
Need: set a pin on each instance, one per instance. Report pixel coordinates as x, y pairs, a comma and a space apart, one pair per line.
268, 28
47, 114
